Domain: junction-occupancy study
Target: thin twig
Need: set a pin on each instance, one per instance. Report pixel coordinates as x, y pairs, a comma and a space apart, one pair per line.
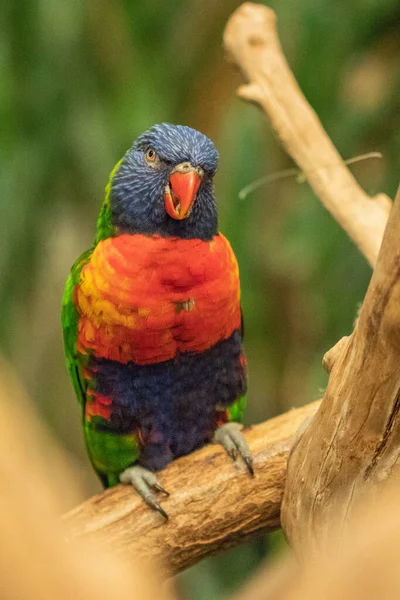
252, 43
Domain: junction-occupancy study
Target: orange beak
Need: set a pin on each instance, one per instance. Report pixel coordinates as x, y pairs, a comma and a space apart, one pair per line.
179, 199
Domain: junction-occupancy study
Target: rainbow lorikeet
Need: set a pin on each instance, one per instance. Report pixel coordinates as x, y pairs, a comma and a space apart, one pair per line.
151, 316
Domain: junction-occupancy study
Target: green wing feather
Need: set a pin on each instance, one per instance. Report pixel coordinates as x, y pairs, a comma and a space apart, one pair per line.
69, 321
236, 410
109, 454
70, 316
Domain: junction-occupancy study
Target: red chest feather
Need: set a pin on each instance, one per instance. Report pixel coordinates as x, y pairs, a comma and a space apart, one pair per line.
144, 299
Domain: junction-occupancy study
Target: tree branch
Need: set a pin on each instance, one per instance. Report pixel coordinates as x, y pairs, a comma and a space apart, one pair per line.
353, 442
252, 43
214, 503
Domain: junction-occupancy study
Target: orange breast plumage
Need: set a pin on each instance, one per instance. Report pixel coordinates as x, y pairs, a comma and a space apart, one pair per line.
145, 299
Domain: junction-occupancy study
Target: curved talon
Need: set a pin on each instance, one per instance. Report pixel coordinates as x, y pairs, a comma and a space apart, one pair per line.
160, 489
249, 464
234, 442
143, 481
156, 506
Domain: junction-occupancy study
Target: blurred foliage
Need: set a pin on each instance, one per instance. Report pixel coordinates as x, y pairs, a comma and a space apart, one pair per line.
81, 79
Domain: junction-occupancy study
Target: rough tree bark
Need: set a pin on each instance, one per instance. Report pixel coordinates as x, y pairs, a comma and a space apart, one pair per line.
215, 504
353, 443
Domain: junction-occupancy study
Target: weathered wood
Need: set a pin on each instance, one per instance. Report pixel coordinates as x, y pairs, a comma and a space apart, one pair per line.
353, 443
214, 503
252, 43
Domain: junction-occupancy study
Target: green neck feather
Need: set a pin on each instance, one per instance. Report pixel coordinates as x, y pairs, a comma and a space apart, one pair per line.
105, 228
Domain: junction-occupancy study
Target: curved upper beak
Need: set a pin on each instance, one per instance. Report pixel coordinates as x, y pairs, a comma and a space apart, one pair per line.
181, 191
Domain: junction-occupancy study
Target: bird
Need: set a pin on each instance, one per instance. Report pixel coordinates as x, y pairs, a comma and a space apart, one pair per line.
151, 317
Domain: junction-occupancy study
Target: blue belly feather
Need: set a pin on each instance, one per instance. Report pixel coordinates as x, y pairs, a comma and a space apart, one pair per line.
173, 404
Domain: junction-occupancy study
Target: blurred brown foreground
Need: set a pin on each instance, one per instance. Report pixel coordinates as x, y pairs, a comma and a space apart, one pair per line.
38, 483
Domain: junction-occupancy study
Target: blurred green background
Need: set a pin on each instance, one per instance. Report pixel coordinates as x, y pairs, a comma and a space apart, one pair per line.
81, 79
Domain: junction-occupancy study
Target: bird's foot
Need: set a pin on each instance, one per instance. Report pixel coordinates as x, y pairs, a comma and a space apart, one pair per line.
234, 442
144, 482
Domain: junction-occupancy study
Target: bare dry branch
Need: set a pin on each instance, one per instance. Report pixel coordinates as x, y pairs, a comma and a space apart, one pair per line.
252, 43
353, 442
214, 503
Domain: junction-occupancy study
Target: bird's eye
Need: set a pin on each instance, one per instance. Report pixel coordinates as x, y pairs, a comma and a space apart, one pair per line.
151, 155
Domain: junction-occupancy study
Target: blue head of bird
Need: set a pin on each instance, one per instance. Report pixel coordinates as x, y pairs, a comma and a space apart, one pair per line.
164, 185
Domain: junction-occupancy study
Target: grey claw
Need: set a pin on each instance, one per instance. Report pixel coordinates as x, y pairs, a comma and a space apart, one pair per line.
233, 453
157, 487
156, 506
234, 442
249, 464
144, 481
